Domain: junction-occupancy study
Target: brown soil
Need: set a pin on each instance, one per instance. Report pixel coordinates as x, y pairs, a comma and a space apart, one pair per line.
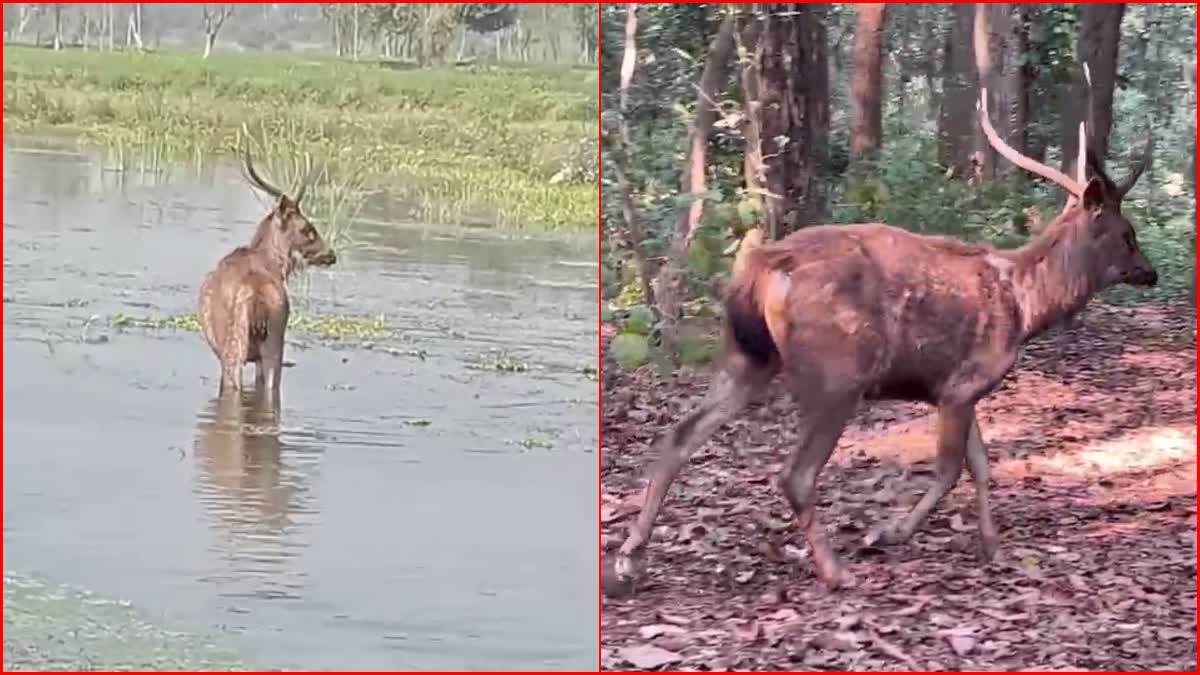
1093, 447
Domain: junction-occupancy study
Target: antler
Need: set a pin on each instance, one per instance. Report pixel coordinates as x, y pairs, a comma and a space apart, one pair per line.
308, 176
1030, 165
1127, 184
252, 175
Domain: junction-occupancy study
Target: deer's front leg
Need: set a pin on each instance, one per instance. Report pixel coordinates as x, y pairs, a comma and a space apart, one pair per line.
977, 466
954, 423
271, 363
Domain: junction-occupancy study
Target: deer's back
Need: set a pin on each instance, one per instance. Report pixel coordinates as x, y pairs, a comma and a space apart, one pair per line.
899, 311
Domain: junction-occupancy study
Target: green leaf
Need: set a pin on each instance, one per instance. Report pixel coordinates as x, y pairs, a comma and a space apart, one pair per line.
630, 351
640, 321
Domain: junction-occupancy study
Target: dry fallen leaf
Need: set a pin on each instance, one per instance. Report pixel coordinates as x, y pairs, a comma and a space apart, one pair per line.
961, 644
1001, 616
674, 619
836, 640
746, 632
654, 630
646, 657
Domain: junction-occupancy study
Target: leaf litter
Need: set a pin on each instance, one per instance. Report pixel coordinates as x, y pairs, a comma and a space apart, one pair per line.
1092, 447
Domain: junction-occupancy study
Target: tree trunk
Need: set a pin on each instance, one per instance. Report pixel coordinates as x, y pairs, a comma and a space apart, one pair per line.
355, 50
1099, 39
794, 102
633, 220
133, 36
866, 84
1014, 82
748, 55
670, 289
957, 116
209, 39
983, 29
58, 42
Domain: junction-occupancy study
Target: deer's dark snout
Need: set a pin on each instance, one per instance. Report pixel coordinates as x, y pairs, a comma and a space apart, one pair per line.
1143, 275
324, 258
1139, 271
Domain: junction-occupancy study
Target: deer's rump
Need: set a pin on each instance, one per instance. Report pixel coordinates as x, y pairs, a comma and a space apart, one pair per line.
890, 312
237, 302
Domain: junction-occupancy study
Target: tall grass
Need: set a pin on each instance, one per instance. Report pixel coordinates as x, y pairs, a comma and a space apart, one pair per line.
456, 141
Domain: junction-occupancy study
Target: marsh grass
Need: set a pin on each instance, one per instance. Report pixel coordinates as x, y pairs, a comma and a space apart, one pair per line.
456, 141
337, 186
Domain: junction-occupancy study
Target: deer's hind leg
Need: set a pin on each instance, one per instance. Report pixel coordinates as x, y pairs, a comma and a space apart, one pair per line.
824, 421
235, 346
730, 391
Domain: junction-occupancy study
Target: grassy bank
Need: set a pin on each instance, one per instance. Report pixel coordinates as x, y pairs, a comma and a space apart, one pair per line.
484, 142
48, 628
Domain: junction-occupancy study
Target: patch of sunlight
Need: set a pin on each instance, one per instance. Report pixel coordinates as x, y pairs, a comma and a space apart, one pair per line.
1138, 450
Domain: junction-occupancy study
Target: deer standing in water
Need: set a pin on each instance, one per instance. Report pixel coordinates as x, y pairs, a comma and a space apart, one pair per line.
244, 302
871, 312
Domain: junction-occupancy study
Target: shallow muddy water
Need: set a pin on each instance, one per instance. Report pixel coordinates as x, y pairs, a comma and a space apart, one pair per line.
413, 506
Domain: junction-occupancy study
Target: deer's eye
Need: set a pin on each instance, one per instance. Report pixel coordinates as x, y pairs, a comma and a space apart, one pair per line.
310, 232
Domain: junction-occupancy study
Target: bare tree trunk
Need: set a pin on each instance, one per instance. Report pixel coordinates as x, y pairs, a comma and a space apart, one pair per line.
355, 51
213, 21
1099, 39
28, 11
670, 290
1015, 82
794, 102
749, 46
866, 83
633, 220
87, 25
58, 42
983, 36
133, 35
956, 127
462, 45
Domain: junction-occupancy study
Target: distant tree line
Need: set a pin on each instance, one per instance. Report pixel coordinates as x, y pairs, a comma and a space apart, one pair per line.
425, 33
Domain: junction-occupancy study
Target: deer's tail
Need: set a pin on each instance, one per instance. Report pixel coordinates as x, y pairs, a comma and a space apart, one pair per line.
745, 321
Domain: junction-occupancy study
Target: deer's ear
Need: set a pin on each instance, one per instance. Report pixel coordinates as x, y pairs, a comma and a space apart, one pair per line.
1094, 194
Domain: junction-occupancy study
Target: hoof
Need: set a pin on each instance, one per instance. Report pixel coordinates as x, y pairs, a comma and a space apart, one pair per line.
987, 549
835, 576
883, 534
617, 578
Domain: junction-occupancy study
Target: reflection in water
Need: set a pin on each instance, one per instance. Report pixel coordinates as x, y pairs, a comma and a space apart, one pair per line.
249, 491
345, 568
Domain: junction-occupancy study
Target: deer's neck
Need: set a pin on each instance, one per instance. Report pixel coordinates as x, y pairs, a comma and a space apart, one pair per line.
269, 243
1051, 277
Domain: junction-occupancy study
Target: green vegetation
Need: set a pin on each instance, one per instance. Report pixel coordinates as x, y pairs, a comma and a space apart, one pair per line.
328, 328
49, 629
915, 175
510, 145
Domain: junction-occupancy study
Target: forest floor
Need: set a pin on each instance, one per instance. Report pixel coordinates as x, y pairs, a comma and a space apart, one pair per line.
1092, 440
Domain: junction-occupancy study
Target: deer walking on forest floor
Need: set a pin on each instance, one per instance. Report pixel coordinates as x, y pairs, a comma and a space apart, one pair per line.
872, 312
244, 305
